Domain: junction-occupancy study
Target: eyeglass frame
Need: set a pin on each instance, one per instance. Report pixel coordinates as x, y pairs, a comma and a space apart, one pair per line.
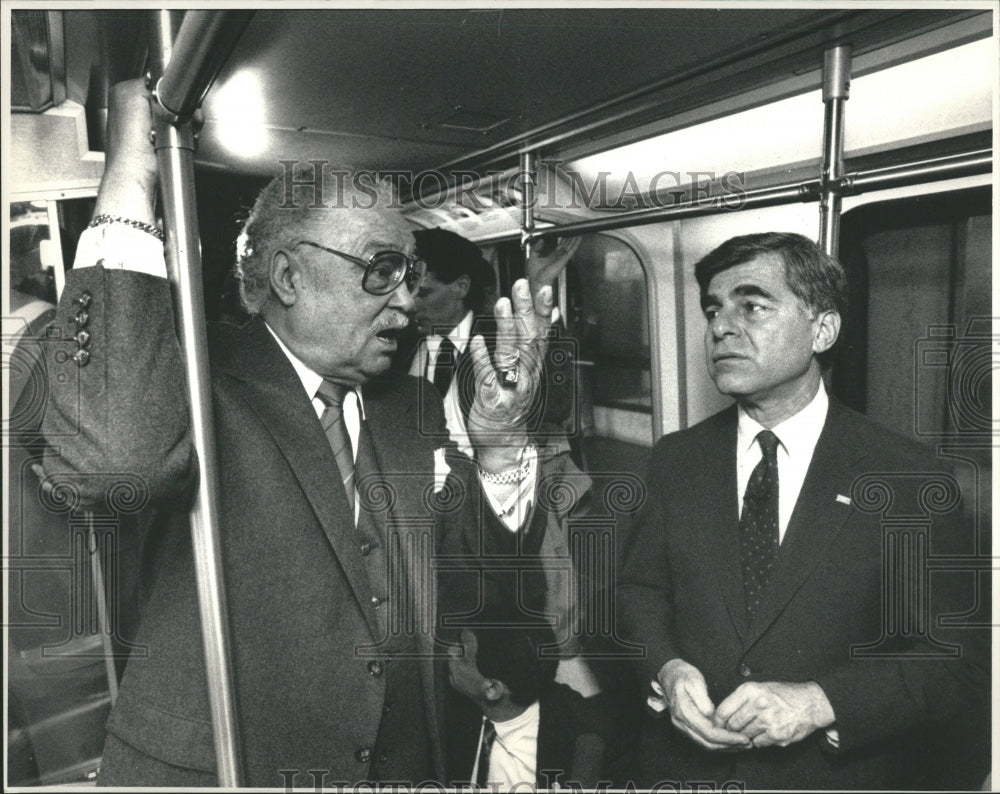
410, 260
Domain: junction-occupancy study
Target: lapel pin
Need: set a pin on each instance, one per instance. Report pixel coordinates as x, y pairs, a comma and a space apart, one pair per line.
844, 500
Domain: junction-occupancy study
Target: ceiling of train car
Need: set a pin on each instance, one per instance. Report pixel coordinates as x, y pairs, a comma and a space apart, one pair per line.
415, 88
418, 88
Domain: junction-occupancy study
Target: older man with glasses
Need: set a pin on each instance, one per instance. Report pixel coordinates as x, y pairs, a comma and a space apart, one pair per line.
337, 479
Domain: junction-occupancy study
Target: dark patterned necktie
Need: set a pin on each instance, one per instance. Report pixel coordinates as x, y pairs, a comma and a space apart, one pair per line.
485, 748
332, 395
759, 523
444, 366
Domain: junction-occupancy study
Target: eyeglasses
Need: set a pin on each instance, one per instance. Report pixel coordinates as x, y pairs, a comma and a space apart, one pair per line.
385, 270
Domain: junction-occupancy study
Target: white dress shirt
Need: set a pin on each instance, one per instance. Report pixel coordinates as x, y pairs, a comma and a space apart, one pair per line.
514, 757
797, 438
424, 366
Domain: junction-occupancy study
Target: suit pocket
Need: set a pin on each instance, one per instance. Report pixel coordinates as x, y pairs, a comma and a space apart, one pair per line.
172, 738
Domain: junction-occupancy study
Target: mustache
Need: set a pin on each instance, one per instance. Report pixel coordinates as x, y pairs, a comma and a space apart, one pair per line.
395, 322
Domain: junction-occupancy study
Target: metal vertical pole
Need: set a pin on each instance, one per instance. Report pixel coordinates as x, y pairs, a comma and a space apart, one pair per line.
191, 61
836, 90
528, 198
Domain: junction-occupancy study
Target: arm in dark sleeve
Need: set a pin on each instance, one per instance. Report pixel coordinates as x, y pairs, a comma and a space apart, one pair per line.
116, 402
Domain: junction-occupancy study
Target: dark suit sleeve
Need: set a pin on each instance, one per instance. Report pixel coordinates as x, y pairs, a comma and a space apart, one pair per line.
645, 593
117, 410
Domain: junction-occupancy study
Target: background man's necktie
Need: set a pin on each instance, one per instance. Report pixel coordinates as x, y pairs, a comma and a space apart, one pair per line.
759, 523
489, 735
445, 365
332, 395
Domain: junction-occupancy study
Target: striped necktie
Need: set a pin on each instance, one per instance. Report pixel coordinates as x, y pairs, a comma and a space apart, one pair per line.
759, 523
332, 395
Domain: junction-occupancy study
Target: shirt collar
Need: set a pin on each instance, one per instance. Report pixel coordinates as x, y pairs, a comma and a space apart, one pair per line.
459, 336
798, 434
514, 724
310, 379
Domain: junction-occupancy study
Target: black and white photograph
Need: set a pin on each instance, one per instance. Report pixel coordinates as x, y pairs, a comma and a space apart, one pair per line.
499, 396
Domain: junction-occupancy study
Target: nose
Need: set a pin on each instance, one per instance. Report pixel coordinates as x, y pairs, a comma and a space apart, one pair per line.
723, 324
401, 298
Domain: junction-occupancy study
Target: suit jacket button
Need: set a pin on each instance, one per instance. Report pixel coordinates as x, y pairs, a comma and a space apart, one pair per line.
366, 549
376, 602
81, 318
82, 338
363, 754
83, 299
81, 357
745, 671
374, 669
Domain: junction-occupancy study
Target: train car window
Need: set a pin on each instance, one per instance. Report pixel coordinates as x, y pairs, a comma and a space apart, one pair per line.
43, 237
918, 359
942, 94
921, 272
32, 272
608, 316
607, 306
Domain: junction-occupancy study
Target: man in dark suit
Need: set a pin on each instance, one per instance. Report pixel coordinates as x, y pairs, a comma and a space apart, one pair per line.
326, 471
787, 644
448, 312
525, 728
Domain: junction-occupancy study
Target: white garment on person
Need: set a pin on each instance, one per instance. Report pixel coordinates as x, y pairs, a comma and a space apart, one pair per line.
424, 366
514, 756
797, 437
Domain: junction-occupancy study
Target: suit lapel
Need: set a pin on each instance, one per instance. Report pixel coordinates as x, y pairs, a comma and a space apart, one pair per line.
718, 514
817, 519
276, 396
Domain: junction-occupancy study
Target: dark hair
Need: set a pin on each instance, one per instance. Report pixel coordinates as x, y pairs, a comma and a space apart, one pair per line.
509, 650
815, 277
450, 256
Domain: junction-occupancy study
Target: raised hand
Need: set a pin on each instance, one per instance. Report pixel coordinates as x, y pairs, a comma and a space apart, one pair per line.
543, 269
507, 385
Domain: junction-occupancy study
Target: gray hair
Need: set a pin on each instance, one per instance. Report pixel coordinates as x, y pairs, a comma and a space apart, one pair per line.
287, 207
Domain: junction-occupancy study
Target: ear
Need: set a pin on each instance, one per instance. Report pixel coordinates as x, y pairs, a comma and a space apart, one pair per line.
494, 690
283, 277
463, 284
827, 326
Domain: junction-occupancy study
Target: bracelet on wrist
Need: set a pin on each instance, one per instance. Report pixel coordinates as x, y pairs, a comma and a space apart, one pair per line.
148, 228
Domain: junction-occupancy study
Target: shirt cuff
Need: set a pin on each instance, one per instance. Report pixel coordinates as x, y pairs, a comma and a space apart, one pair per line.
515, 509
117, 246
